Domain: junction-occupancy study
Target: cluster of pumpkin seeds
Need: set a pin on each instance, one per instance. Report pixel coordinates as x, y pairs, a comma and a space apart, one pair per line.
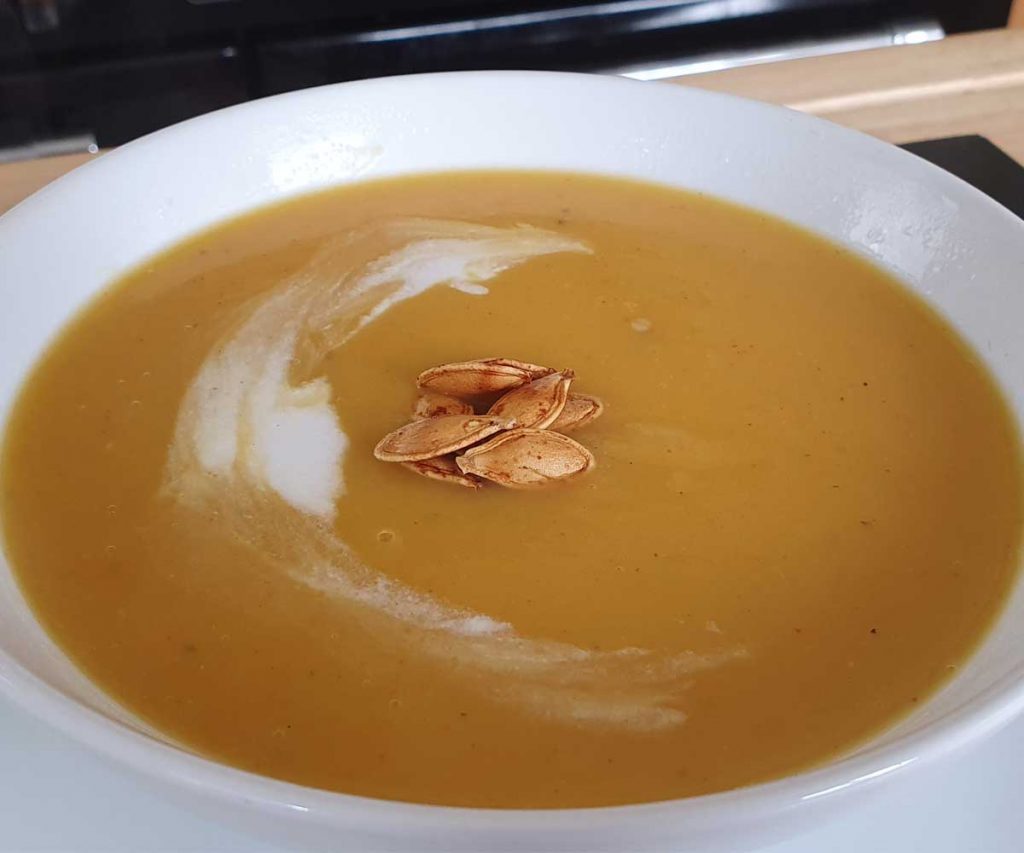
494, 420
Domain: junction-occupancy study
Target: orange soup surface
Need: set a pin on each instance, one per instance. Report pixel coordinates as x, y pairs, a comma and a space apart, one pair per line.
804, 512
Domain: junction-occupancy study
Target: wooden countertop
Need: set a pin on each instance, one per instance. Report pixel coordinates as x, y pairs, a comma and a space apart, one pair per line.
970, 83
964, 84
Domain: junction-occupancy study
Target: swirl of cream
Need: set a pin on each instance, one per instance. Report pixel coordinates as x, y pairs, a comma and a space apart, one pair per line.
258, 441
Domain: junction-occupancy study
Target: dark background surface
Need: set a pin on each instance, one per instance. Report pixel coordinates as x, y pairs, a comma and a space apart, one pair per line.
110, 70
979, 162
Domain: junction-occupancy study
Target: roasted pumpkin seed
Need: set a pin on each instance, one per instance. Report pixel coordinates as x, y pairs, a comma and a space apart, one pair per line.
431, 405
578, 411
479, 378
444, 468
526, 458
430, 437
536, 404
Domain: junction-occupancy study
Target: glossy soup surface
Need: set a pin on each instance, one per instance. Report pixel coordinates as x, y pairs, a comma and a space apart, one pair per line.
804, 515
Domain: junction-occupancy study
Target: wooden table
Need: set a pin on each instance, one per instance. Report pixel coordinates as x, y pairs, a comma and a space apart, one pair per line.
964, 84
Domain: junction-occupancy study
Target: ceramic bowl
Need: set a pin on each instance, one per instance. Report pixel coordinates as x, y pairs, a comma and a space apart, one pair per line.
958, 249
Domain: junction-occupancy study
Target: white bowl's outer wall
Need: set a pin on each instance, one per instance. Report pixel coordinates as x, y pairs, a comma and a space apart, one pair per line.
943, 238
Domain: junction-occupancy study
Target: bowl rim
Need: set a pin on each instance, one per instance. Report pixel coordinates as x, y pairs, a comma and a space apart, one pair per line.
984, 714
161, 761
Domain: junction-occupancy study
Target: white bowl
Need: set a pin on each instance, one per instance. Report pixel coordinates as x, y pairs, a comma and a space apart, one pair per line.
944, 239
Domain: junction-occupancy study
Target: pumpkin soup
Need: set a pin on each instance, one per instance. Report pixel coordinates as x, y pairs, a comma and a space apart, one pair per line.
737, 500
